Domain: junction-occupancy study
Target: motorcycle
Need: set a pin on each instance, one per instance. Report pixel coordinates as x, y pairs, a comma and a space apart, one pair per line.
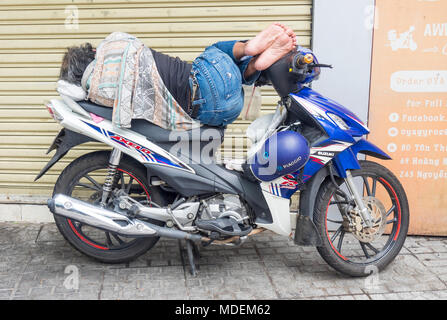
115, 205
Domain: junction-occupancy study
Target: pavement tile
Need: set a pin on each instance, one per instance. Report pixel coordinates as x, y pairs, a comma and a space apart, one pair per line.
37, 263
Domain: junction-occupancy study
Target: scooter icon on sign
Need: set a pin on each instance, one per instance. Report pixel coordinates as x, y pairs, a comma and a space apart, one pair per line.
404, 41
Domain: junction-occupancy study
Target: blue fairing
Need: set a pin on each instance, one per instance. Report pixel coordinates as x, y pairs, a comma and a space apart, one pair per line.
321, 109
367, 148
356, 127
347, 160
339, 144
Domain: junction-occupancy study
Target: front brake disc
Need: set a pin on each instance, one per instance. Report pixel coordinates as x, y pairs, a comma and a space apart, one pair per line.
378, 214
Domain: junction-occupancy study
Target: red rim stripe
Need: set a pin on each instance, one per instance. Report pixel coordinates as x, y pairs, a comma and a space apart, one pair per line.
398, 207
84, 239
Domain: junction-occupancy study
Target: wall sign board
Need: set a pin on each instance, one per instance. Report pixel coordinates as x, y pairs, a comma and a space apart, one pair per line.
408, 104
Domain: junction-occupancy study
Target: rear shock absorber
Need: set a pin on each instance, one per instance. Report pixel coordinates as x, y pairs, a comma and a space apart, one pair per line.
114, 161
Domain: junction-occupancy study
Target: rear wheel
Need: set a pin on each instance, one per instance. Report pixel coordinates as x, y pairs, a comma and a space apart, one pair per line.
83, 180
349, 246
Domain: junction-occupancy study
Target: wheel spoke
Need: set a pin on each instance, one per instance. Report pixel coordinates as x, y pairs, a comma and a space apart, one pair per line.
340, 241
93, 187
341, 194
364, 250
123, 184
370, 246
109, 240
368, 189
391, 210
336, 234
118, 238
93, 181
374, 187
129, 185
391, 221
339, 202
335, 221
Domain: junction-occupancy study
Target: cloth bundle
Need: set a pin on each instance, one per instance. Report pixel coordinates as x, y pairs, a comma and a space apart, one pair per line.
124, 76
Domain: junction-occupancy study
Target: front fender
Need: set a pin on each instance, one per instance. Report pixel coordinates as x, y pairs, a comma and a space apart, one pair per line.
306, 233
365, 147
347, 160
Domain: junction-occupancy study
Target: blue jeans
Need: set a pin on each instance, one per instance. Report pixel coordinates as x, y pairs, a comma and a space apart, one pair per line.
220, 77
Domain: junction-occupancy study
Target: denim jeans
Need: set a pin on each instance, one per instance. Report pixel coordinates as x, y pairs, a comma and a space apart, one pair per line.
220, 77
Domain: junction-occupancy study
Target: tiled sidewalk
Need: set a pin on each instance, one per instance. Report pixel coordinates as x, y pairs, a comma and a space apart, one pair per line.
37, 263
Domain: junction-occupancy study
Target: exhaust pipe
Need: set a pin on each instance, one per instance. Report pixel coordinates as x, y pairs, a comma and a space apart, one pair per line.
108, 220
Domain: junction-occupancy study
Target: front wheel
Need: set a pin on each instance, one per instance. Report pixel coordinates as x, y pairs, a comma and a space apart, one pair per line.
347, 244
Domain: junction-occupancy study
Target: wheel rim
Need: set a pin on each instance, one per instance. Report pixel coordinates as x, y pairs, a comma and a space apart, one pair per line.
89, 188
344, 244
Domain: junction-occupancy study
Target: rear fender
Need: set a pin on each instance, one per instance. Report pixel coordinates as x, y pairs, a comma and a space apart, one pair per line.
64, 141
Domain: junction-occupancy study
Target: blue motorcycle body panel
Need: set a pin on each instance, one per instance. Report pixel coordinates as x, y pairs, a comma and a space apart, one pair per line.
341, 147
356, 127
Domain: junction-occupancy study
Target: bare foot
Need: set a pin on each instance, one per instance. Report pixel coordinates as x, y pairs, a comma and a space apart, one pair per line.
280, 47
263, 40
289, 32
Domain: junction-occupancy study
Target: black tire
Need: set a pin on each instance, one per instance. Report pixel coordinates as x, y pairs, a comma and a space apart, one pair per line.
351, 261
72, 231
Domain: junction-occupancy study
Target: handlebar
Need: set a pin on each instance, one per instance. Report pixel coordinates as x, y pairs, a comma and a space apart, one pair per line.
302, 60
306, 61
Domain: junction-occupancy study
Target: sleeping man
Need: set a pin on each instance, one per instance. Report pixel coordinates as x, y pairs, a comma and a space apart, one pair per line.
139, 82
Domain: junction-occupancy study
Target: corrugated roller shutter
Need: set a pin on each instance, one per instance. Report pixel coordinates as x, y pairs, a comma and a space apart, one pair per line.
33, 37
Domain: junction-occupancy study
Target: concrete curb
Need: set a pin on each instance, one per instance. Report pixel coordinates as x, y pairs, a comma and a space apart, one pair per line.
35, 213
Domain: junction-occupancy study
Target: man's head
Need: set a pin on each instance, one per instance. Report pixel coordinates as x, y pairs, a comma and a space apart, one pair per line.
75, 61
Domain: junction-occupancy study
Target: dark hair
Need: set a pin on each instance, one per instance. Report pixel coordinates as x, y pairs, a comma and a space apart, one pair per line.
75, 61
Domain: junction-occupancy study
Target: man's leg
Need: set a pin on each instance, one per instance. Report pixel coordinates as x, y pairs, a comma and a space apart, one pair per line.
239, 51
236, 50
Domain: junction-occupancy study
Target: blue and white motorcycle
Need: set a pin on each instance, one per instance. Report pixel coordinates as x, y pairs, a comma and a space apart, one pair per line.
114, 205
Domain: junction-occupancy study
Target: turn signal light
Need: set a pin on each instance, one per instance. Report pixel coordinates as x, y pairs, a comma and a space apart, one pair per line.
56, 116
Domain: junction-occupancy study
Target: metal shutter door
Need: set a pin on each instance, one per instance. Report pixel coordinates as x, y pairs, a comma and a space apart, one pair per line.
34, 36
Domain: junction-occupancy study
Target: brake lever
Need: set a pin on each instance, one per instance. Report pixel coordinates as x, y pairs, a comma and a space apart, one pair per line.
321, 65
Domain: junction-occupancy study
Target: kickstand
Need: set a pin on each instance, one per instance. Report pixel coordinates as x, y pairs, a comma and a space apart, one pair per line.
193, 256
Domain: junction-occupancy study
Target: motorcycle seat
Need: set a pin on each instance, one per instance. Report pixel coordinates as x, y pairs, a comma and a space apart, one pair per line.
155, 133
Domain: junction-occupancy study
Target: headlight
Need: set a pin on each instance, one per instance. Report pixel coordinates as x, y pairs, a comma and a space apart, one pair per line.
339, 121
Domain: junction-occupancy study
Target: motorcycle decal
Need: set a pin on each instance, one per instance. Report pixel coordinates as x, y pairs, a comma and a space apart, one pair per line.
289, 182
273, 188
146, 154
314, 110
324, 154
284, 185
358, 121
